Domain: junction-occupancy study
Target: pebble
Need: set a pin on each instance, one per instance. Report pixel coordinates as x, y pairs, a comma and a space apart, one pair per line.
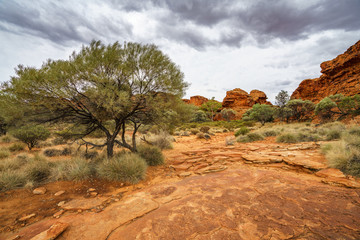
61, 203
59, 213
39, 191
27, 217
91, 190
59, 193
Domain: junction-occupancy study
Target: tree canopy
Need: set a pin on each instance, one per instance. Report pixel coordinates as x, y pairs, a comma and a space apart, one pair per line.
122, 84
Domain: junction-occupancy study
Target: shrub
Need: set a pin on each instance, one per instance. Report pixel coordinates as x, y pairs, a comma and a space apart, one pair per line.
51, 152
194, 131
59, 141
333, 134
13, 163
4, 153
78, 169
260, 112
37, 170
242, 131
162, 140
31, 135
127, 168
200, 135
6, 139
229, 140
287, 138
151, 154
205, 129
228, 114
270, 133
15, 147
10, 179
250, 137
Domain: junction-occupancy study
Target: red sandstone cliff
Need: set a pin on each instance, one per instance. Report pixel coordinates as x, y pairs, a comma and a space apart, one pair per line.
196, 100
340, 75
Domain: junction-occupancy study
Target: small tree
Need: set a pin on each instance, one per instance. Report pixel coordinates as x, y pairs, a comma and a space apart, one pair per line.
260, 112
210, 108
324, 109
228, 114
301, 109
104, 88
282, 98
31, 135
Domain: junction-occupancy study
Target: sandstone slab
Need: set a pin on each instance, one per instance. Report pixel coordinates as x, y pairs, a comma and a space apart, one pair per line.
53, 232
83, 204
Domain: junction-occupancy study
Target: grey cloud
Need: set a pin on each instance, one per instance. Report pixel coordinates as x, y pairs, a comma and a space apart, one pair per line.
58, 23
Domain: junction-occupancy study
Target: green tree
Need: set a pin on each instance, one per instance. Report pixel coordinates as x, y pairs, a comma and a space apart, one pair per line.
130, 84
301, 109
210, 108
228, 114
282, 98
31, 135
260, 112
324, 109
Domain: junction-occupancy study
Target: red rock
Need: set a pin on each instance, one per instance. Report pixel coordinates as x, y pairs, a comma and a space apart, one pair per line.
53, 232
198, 100
39, 191
330, 172
340, 75
27, 217
58, 214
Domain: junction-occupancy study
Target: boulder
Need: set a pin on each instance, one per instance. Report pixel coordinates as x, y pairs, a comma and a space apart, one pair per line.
340, 75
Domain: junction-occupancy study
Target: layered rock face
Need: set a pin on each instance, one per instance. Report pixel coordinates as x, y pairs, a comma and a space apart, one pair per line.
240, 101
196, 100
340, 75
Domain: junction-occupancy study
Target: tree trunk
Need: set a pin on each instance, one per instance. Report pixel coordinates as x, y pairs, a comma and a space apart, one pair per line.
110, 148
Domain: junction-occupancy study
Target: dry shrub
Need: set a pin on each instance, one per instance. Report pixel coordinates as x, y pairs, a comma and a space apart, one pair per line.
152, 155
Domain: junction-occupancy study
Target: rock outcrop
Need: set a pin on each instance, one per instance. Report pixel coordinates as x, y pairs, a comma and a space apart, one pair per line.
196, 100
340, 75
240, 101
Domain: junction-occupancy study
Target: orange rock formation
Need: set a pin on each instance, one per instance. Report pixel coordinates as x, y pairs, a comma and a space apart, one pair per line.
340, 75
196, 100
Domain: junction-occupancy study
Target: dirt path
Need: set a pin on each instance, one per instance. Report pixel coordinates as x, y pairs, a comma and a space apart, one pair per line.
207, 190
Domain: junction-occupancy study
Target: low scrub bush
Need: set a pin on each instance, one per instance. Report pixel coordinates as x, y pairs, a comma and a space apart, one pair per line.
270, 133
13, 163
202, 135
4, 153
250, 137
194, 131
10, 179
205, 129
6, 139
242, 131
230, 140
76, 169
31, 135
51, 152
37, 170
162, 140
15, 147
127, 168
151, 154
287, 138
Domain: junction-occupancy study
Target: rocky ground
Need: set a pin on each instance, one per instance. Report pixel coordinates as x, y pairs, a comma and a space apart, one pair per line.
206, 190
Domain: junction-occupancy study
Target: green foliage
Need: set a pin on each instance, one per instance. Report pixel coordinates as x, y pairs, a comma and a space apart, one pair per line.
284, 113
210, 108
31, 135
199, 116
6, 139
122, 84
301, 109
52, 152
15, 147
228, 114
151, 154
250, 137
78, 169
127, 168
324, 109
242, 131
260, 112
282, 98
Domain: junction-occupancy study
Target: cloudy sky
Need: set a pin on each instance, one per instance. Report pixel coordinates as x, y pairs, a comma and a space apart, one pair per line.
220, 45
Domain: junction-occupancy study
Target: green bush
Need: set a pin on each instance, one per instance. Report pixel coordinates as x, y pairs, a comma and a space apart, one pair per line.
250, 137
31, 135
242, 131
126, 168
15, 147
161, 140
4, 153
205, 129
287, 138
78, 169
270, 133
194, 131
10, 179
333, 134
13, 163
152, 155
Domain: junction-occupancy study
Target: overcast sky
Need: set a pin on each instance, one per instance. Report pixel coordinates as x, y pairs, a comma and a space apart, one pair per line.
220, 45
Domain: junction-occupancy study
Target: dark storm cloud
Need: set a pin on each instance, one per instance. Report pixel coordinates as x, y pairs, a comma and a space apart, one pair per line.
59, 23
196, 23
262, 20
